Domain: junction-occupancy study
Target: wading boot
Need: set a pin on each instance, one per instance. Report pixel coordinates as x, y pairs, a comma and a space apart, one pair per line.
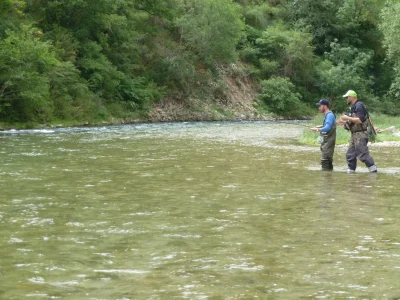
326, 165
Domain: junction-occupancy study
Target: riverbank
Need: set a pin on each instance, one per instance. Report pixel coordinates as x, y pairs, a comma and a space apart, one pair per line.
237, 102
120, 121
238, 105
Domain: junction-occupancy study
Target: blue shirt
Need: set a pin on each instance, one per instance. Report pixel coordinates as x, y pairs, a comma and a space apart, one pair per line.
329, 120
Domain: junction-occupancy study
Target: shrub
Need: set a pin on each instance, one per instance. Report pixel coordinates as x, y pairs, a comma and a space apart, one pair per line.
279, 95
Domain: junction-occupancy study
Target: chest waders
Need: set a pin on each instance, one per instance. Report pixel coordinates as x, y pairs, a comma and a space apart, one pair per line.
328, 147
358, 145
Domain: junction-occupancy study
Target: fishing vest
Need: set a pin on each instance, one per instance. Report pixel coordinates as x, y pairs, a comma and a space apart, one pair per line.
363, 125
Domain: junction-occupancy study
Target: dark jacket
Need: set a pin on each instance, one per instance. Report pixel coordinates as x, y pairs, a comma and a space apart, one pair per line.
358, 110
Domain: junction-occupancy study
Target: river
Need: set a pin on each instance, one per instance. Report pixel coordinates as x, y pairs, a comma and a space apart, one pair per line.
213, 210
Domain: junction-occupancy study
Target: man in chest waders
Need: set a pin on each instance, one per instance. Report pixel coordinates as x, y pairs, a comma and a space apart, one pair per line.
327, 135
356, 122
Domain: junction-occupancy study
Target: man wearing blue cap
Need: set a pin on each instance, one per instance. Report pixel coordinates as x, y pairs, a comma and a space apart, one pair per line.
327, 135
356, 122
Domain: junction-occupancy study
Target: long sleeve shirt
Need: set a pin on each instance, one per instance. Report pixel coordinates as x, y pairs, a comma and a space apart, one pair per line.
329, 120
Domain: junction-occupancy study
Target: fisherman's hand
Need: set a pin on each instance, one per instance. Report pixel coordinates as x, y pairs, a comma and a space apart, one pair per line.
345, 118
340, 122
315, 129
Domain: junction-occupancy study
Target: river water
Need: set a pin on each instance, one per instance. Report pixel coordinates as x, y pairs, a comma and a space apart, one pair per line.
193, 211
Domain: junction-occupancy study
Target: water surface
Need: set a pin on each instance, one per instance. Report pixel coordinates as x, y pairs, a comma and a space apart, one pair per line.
193, 211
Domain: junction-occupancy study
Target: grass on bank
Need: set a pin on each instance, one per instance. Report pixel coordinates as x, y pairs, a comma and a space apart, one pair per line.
380, 121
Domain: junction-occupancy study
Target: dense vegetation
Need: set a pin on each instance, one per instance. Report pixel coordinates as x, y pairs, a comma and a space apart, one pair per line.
91, 60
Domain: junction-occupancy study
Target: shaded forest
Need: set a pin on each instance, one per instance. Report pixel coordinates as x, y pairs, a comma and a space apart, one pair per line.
94, 60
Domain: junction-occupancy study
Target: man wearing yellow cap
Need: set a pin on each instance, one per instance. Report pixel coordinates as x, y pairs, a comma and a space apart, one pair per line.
356, 122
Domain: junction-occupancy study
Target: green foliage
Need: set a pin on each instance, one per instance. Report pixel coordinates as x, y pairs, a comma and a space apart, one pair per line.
69, 93
178, 72
211, 29
35, 86
268, 67
390, 26
319, 17
281, 52
139, 92
389, 103
24, 84
65, 44
94, 59
351, 22
289, 53
248, 50
260, 15
89, 19
345, 68
358, 20
11, 10
279, 95
8, 7
103, 77
106, 81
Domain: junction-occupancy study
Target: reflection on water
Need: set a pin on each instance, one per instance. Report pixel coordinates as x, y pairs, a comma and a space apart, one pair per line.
193, 211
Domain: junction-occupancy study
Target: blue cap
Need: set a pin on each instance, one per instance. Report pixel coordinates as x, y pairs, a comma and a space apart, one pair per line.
323, 102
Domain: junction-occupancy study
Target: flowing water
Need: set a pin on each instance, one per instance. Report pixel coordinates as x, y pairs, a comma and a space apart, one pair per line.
193, 211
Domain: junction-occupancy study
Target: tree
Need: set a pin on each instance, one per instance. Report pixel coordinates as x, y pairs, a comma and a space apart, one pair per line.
390, 27
291, 50
11, 14
211, 29
279, 95
351, 22
342, 69
24, 85
260, 15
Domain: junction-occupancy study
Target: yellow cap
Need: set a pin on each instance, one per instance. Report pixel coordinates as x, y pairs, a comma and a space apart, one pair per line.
350, 93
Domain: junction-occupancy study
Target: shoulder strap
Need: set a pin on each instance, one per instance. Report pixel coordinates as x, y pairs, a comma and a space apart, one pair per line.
365, 109
327, 115
353, 108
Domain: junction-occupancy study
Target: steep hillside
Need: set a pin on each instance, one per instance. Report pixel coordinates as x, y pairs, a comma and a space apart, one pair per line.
234, 98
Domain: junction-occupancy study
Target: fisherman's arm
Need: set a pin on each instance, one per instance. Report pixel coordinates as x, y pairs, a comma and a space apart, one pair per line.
330, 119
316, 128
340, 122
354, 120
360, 112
